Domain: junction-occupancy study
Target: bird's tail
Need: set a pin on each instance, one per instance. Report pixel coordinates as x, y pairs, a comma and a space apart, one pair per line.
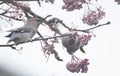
9, 35
82, 50
9, 41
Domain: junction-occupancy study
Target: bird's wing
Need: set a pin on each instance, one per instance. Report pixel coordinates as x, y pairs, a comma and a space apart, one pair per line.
17, 30
9, 35
20, 30
12, 30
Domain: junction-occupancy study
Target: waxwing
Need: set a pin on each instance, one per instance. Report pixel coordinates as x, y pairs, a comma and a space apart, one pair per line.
71, 42
24, 33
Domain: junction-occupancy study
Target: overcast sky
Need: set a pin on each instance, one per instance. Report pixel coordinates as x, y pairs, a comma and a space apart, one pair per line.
102, 51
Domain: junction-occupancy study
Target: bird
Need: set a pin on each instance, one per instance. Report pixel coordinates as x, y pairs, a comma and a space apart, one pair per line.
71, 42
24, 33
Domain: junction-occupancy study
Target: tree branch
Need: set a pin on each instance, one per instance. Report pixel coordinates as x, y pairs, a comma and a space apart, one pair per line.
36, 39
88, 30
27, 10
12, 18
56, 55
56, 20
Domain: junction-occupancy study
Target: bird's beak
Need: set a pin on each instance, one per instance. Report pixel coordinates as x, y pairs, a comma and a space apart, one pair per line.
82, 50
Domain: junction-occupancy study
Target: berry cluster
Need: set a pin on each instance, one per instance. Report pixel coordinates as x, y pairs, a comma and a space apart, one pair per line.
70, 5
77, 65
93, 17
47, 48
84, 39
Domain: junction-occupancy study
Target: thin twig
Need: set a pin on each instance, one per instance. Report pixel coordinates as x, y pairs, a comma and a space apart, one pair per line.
57, 56
13, 18
85, 30
39, 2
36, 39
95, 27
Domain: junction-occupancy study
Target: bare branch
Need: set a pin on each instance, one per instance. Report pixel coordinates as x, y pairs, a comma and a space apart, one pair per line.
98, 26
56, 20
39, 2
88, 30
6, 45
3, 13
56, 55
36, 39
12, 18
